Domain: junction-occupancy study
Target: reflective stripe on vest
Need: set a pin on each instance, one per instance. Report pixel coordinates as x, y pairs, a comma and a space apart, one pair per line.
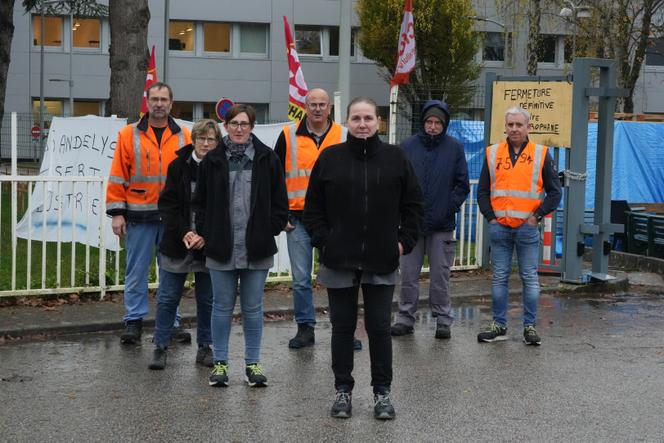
138, 177
298, 193
537, 167
294, 171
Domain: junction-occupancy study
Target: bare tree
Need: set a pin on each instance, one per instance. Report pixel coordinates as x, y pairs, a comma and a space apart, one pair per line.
6, 36
622, 30
534, 38
128, 56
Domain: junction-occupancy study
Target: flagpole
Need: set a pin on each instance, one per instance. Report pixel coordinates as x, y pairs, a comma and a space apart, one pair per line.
394, 95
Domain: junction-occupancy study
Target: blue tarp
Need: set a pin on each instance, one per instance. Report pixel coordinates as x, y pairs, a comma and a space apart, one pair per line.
638, 158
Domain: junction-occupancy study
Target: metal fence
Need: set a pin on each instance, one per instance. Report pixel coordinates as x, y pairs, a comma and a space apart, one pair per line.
38, 265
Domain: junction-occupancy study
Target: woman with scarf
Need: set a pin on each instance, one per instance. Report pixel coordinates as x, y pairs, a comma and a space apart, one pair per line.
240, 204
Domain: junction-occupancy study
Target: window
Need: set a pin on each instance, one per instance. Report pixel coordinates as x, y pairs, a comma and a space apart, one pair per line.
253, 38
334, 41
262, 112
384, 114
495, 48
655, 52
52, 31
546, 49
183, 110
51, 108
85, 108
86, 32
216, 37
181, 36
308, 40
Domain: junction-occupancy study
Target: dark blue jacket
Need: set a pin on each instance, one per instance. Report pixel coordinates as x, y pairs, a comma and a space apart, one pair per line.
440, 165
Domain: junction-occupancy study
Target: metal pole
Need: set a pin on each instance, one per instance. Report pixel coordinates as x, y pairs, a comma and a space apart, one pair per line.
394, 95
344, 54
41, 79
71, 53
574, 36
166, 34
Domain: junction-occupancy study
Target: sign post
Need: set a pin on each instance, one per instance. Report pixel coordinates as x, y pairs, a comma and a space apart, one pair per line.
222, 107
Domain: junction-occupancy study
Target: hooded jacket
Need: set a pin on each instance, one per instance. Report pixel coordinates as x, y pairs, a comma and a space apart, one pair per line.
440, 165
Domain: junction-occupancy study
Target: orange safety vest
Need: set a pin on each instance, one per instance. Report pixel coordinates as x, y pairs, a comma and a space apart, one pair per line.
138, 171
301, 154
516, 190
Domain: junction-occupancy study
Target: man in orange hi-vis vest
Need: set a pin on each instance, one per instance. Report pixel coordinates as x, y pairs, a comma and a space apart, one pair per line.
138, 173
298, 147
518, 186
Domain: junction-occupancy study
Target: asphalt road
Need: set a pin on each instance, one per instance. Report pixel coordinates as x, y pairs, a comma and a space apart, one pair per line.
598, 376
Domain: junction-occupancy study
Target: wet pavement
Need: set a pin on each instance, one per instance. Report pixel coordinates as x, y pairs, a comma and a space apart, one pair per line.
598, 376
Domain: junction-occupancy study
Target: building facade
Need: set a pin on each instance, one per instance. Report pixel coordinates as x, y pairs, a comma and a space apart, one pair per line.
224, 48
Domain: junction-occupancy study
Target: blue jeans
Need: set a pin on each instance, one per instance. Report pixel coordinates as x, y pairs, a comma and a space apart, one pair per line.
224, 289
300, 254
141, 245
504, 240
171, 285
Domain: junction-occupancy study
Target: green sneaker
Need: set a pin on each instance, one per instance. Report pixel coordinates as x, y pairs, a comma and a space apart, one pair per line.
494, 332
254, 376
219, 374
530, 336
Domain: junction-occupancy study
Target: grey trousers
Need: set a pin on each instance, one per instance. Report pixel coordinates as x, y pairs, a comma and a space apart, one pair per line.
440, 248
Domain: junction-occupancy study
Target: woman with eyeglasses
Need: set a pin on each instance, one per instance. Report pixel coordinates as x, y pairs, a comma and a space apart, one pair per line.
363, 210
240, 206
181, 247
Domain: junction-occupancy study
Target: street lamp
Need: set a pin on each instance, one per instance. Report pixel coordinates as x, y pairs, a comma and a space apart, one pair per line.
574, 10
484, 19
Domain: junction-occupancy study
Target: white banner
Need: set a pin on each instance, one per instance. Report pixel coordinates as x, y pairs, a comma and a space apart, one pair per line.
84, 146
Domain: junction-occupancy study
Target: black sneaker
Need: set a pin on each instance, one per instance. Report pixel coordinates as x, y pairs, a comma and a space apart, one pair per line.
357, 344
493, 332
132, 332
383, 409
180, 335
530, 336
254, 376
204, 356
305, 337
399, 329
158, 359
443, 332
342, 406
219, 374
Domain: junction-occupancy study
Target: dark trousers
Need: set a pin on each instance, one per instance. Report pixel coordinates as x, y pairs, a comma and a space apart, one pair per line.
377, 313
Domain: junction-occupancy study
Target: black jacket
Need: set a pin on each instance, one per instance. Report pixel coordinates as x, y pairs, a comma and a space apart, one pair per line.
363, 199
268, 207
175, 205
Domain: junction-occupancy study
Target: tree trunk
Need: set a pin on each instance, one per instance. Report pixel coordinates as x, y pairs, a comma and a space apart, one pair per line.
128, 56
6, 35
534, 15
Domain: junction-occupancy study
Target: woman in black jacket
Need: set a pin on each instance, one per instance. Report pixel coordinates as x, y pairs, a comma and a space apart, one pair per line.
241, 204
363, 210
181, 248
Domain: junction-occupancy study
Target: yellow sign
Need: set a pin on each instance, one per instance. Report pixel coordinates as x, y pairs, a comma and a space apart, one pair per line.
548, 103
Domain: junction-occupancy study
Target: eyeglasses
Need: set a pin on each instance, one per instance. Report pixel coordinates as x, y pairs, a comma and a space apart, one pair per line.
235, 125
209, 140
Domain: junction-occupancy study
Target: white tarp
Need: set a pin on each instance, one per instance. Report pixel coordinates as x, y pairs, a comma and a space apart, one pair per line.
84, 146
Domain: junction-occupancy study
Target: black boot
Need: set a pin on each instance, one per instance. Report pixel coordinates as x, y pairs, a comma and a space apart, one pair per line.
132, 332
158, 359
305, 337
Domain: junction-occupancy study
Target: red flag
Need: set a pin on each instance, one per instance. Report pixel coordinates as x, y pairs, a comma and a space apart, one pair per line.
297, 87
406, 55
149, 80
